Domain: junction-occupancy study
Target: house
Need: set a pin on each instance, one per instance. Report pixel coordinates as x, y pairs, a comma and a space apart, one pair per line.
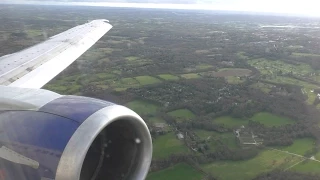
180, 136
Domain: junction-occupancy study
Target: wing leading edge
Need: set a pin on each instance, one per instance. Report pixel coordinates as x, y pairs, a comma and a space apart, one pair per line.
37, 65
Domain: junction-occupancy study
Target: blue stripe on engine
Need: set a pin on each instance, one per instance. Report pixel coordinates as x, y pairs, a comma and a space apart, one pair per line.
75, 107
36, 129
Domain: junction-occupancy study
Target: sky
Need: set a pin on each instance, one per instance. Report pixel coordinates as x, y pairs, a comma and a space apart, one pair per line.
286, 7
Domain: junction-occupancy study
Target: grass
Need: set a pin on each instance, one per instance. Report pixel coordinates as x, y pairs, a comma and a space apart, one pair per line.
120, 89
143, 107
116, 72
157, 120
123, 84
190, 76
266, 66
311, 95
56, 88
271, 120
243, 170
203, 66
168, 77
73, 89
145, 80
132, 58
230, 122
287, 80
307, 166
227, 139
182, 114
213, 139
105, 75
34, 32
266, 88
300, 146
203, 134
241, 55
130, 82
179, 171
93, 55
234, 80
106, 50
306, 90
305, 54
167, 144
103, 86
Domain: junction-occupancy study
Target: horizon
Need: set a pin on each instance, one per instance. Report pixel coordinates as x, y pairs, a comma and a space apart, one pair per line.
247, 7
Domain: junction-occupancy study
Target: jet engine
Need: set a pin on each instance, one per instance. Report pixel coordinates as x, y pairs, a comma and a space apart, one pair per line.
71, 138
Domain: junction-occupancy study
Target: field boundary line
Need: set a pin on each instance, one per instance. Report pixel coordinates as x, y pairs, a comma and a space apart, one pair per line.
294, 164
296, 155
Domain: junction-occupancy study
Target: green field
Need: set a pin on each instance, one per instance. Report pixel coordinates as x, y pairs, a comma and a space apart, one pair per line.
230, 122
190, 76
143, 107
287, 80
270, 120
264, 87
169, 77
203, 66
214, 138
165, 145
264, 162
132, 58
105, 76
234, 80
307, 166
66, 85
182, 114
157, 120
272, 67
203, 134
306, 90
275, 69
305, 54
106, 50
227, 139
34, 32
130, 82
300, 146
242, 55
120, 89
177, 172
145, 80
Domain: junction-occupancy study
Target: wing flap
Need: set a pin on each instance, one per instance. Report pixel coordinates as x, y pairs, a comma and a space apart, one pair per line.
35, 66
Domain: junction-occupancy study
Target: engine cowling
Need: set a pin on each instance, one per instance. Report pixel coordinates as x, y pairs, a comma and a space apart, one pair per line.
74, 138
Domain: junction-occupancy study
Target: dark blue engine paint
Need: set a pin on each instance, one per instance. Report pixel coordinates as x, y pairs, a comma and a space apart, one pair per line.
75, 107
42, 135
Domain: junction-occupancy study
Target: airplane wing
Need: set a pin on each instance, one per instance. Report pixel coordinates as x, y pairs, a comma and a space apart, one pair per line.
41, 130
37, 65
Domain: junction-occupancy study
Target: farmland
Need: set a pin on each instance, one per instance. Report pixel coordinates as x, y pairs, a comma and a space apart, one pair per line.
265, 161
271, 120
197, 79
167, 145
179, 171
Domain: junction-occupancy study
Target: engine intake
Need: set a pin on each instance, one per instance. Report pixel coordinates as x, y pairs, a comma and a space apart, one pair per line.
113, 143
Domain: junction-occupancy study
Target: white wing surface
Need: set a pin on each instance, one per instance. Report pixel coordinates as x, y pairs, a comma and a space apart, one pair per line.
37, 65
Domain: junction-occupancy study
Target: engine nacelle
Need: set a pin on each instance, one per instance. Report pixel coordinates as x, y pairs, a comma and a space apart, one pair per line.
74, 138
